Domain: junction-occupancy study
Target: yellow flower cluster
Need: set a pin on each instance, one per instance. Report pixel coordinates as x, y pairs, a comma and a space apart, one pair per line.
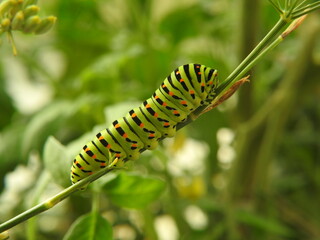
22, 15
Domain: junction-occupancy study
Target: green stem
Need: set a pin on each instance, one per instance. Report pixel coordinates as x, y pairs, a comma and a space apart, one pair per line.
267, 44
51, 202
305, 10
45, 178
257, 53
94, 212
252, 57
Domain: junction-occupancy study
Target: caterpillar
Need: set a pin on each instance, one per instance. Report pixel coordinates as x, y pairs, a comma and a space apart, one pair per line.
182, 92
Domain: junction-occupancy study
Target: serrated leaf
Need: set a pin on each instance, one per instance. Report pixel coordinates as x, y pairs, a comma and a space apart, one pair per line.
90, 227
57, 161
133, 191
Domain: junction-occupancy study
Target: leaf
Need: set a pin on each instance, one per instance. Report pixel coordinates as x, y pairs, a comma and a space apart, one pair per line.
43, 124
56, 161
133, 191
119, 110
90, 227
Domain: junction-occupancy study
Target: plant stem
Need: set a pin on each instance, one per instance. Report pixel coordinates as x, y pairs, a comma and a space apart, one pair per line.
305, 10
252, 57
51, 202
256, 54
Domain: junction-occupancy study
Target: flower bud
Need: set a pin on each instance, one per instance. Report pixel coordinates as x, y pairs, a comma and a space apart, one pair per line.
45, 25
27, 3
31, 24
5, 24
18, 21
6, 6
30, 11
16, 7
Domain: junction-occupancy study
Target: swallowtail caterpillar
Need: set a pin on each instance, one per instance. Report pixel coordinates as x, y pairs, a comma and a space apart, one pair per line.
184, 90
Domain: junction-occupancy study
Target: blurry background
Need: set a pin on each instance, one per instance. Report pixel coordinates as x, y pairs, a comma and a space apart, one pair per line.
247, 170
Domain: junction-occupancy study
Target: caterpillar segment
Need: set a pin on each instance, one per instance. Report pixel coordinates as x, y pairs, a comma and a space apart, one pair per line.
111, 145
127, 139
146, 131
161, 121
169, 108
184, 90
186, 87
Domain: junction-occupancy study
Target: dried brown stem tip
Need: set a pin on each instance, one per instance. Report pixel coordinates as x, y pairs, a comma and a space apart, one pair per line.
294, 25
227, 94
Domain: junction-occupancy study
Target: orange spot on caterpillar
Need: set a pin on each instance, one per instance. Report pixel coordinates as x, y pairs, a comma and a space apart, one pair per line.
141, 125
191, 92
103, 164
134, 145
87, 149
101, 137
155, 114
171, 93
156, 97
181, 80
118, 155
151, 135
164, 104
202, 85
183, 102
125, 135
133, 115
108, 146
175, 112
94, 156
90, 173
117, 125
199, 73
148, 105
177, 72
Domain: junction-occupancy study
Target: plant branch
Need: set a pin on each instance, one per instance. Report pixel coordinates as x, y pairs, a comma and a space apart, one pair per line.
51, 202
305, 10
259, 52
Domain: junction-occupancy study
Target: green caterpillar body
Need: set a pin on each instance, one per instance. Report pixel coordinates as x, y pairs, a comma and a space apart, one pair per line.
183, 91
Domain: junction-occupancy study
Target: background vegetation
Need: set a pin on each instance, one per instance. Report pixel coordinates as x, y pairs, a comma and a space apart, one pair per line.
247, 170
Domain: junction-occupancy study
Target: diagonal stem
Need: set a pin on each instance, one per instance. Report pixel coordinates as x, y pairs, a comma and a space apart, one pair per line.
51, 202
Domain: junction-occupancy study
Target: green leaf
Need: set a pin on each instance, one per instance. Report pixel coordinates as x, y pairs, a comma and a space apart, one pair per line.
57, 162
90, 227
43, 124
118, 110
133, 191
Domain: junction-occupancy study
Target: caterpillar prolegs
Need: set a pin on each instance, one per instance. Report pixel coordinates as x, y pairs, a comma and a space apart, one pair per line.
183, 91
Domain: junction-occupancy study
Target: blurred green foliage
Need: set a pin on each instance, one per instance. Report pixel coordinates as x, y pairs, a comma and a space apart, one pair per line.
106, 54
